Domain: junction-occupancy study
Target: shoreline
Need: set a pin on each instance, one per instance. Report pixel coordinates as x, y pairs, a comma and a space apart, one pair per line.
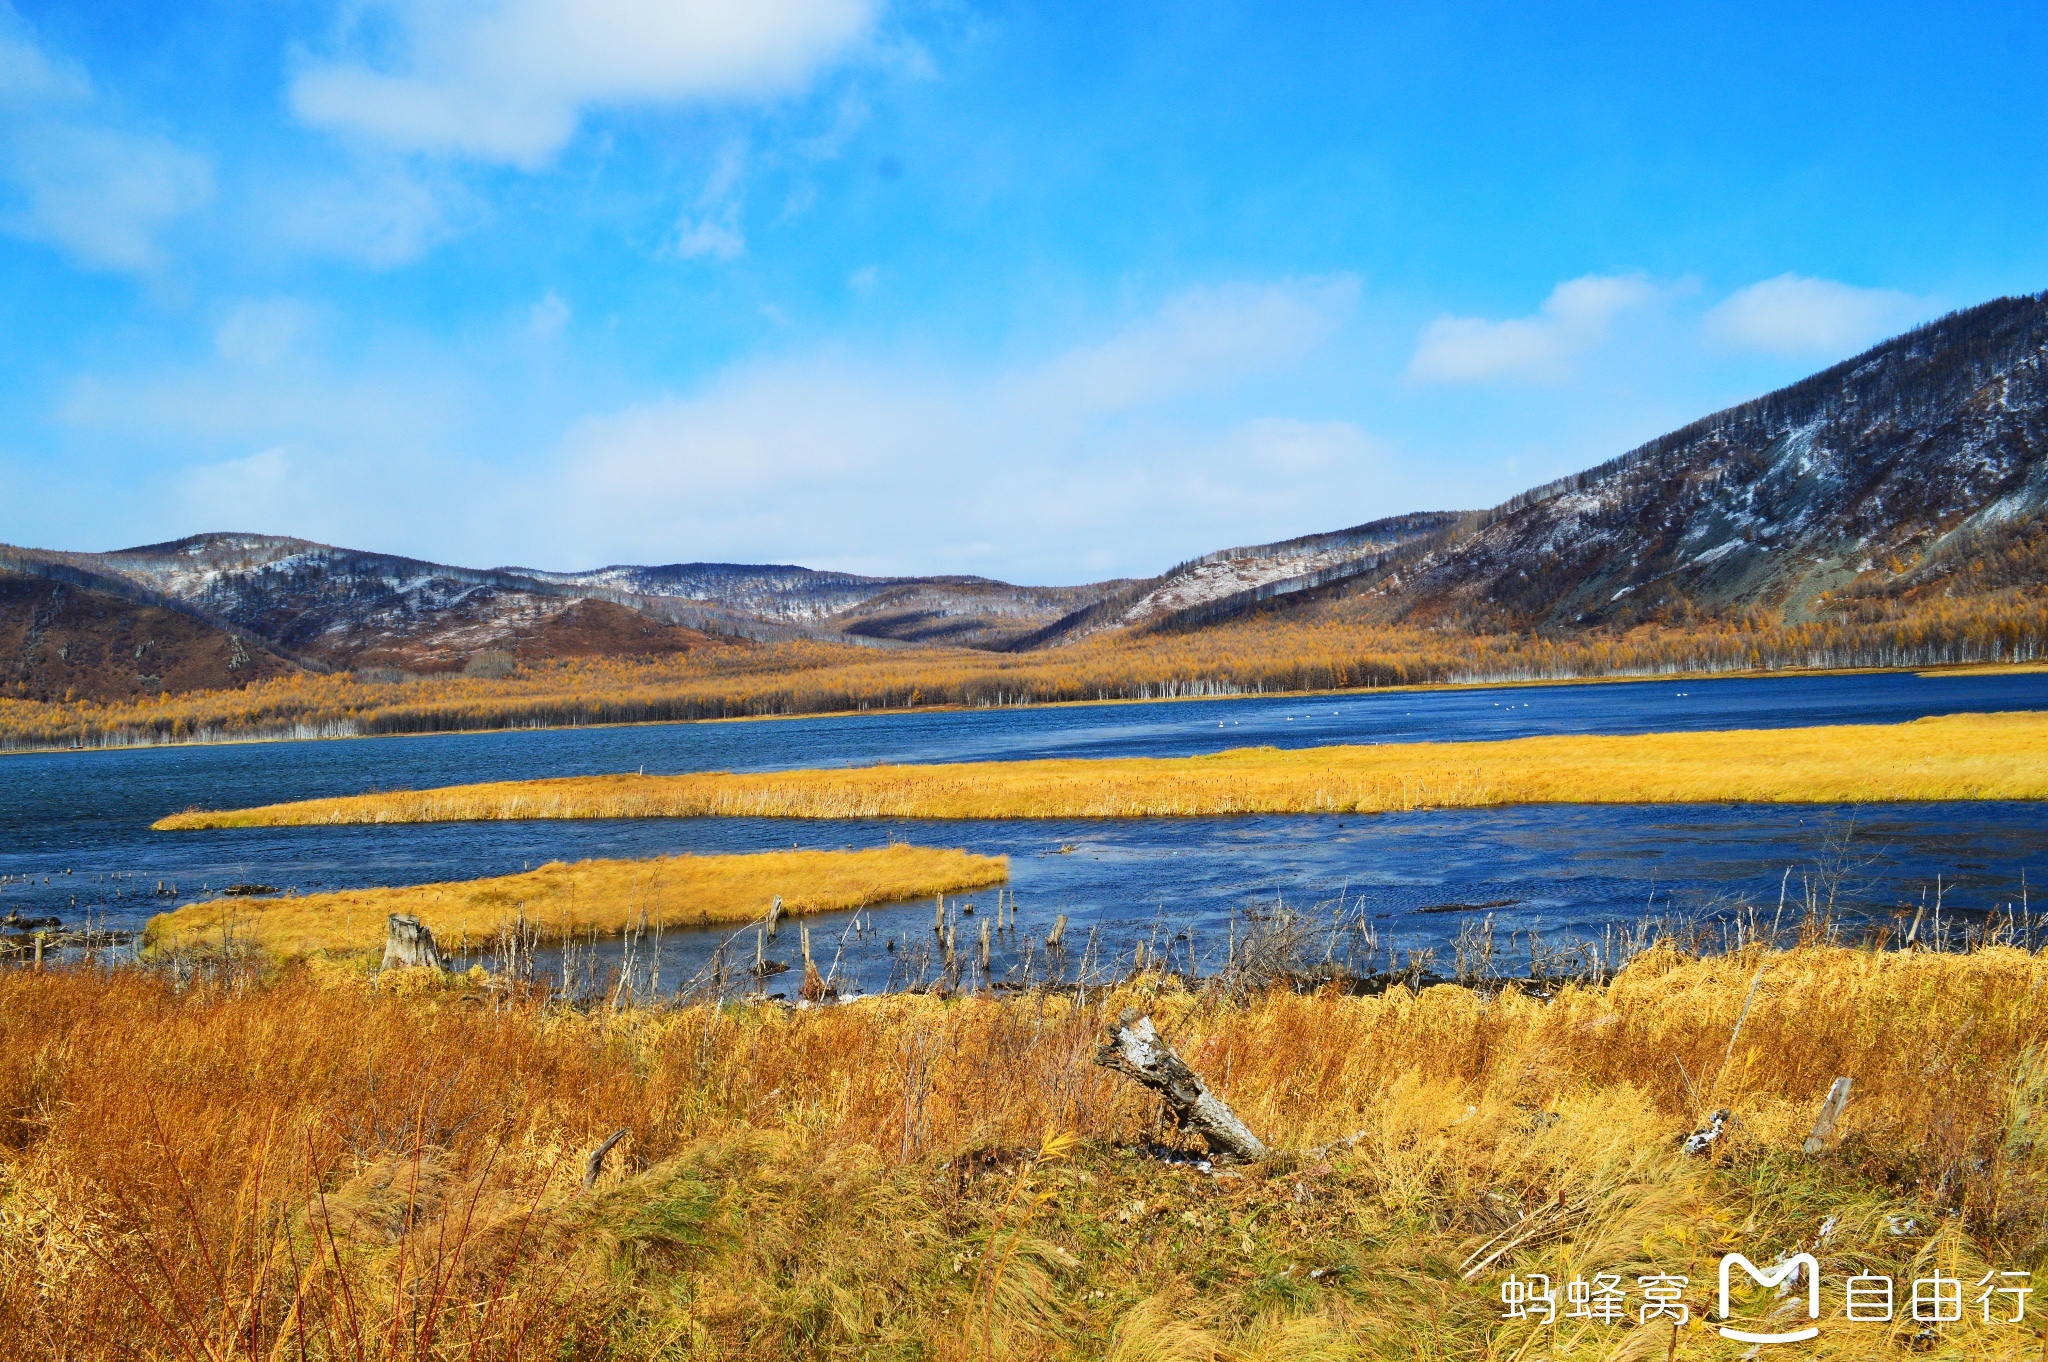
1964, 669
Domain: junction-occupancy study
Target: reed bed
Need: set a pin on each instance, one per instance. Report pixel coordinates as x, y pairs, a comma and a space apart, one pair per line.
301, 1166
562, 901
1962, 756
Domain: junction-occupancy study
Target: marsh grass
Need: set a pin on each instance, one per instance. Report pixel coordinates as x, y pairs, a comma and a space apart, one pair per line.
295, 1165
1962, 756
563, 901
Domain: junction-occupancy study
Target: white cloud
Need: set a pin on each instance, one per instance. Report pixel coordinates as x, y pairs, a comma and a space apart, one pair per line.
548, 316
379, 213
27, 75
1797, 316
73, 178
714, 229
264, 488
1202, 337
262, 331
862, 281
1073, 465
507, 81
1574, 317
718, 236
1120, 455
848, 119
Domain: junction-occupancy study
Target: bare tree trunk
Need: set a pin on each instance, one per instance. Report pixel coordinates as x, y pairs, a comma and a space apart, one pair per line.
1133, 1048
407, 943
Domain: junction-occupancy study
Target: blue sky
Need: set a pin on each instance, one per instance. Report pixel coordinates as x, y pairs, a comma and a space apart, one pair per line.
1048, 293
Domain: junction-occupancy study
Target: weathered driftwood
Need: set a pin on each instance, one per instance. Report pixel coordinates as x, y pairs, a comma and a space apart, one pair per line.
1830, 1112
407, 943
594, 1165
1057, 934
1133, 1048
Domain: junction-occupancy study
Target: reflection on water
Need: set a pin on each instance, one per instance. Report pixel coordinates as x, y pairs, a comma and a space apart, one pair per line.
1558, 869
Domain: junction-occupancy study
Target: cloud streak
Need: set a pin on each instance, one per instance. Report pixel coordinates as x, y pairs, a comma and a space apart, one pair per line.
1799, 317
73, 177
1083, 463
1076, 465
1541, 347
507, 82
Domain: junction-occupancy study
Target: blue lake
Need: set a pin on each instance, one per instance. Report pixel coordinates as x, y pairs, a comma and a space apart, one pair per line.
1564, 869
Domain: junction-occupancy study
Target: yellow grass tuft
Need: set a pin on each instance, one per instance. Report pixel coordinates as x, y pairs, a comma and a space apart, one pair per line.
1961, 756
201, 1170
560, 900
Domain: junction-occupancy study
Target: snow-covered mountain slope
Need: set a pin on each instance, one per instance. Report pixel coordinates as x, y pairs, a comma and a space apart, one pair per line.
968, 611
330, 607
341, 607
1881, 467
1229, 581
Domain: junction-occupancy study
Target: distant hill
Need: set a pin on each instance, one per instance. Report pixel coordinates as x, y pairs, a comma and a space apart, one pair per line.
1918, 469
1905, 480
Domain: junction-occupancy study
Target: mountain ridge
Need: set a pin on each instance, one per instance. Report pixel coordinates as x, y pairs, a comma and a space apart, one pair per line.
1917, 468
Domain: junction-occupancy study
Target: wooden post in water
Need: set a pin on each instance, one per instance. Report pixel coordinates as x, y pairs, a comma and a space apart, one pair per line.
774, 915
1057, 934
1830, 1112
984, 945
939, 914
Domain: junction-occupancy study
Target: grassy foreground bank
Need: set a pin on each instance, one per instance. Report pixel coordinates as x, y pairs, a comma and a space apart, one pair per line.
561, 900
1962, 756
302, 1167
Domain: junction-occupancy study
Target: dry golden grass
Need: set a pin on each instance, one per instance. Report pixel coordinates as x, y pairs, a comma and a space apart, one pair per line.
1964, 756
307, 1168
608, 897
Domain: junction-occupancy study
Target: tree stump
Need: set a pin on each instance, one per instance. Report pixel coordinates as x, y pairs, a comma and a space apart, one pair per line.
408, 943
1133, 1048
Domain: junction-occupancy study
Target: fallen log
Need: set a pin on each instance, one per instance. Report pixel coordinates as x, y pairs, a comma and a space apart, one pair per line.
1133, 1048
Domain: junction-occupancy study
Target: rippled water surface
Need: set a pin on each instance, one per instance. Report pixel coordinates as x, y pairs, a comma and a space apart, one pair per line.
1567, 868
